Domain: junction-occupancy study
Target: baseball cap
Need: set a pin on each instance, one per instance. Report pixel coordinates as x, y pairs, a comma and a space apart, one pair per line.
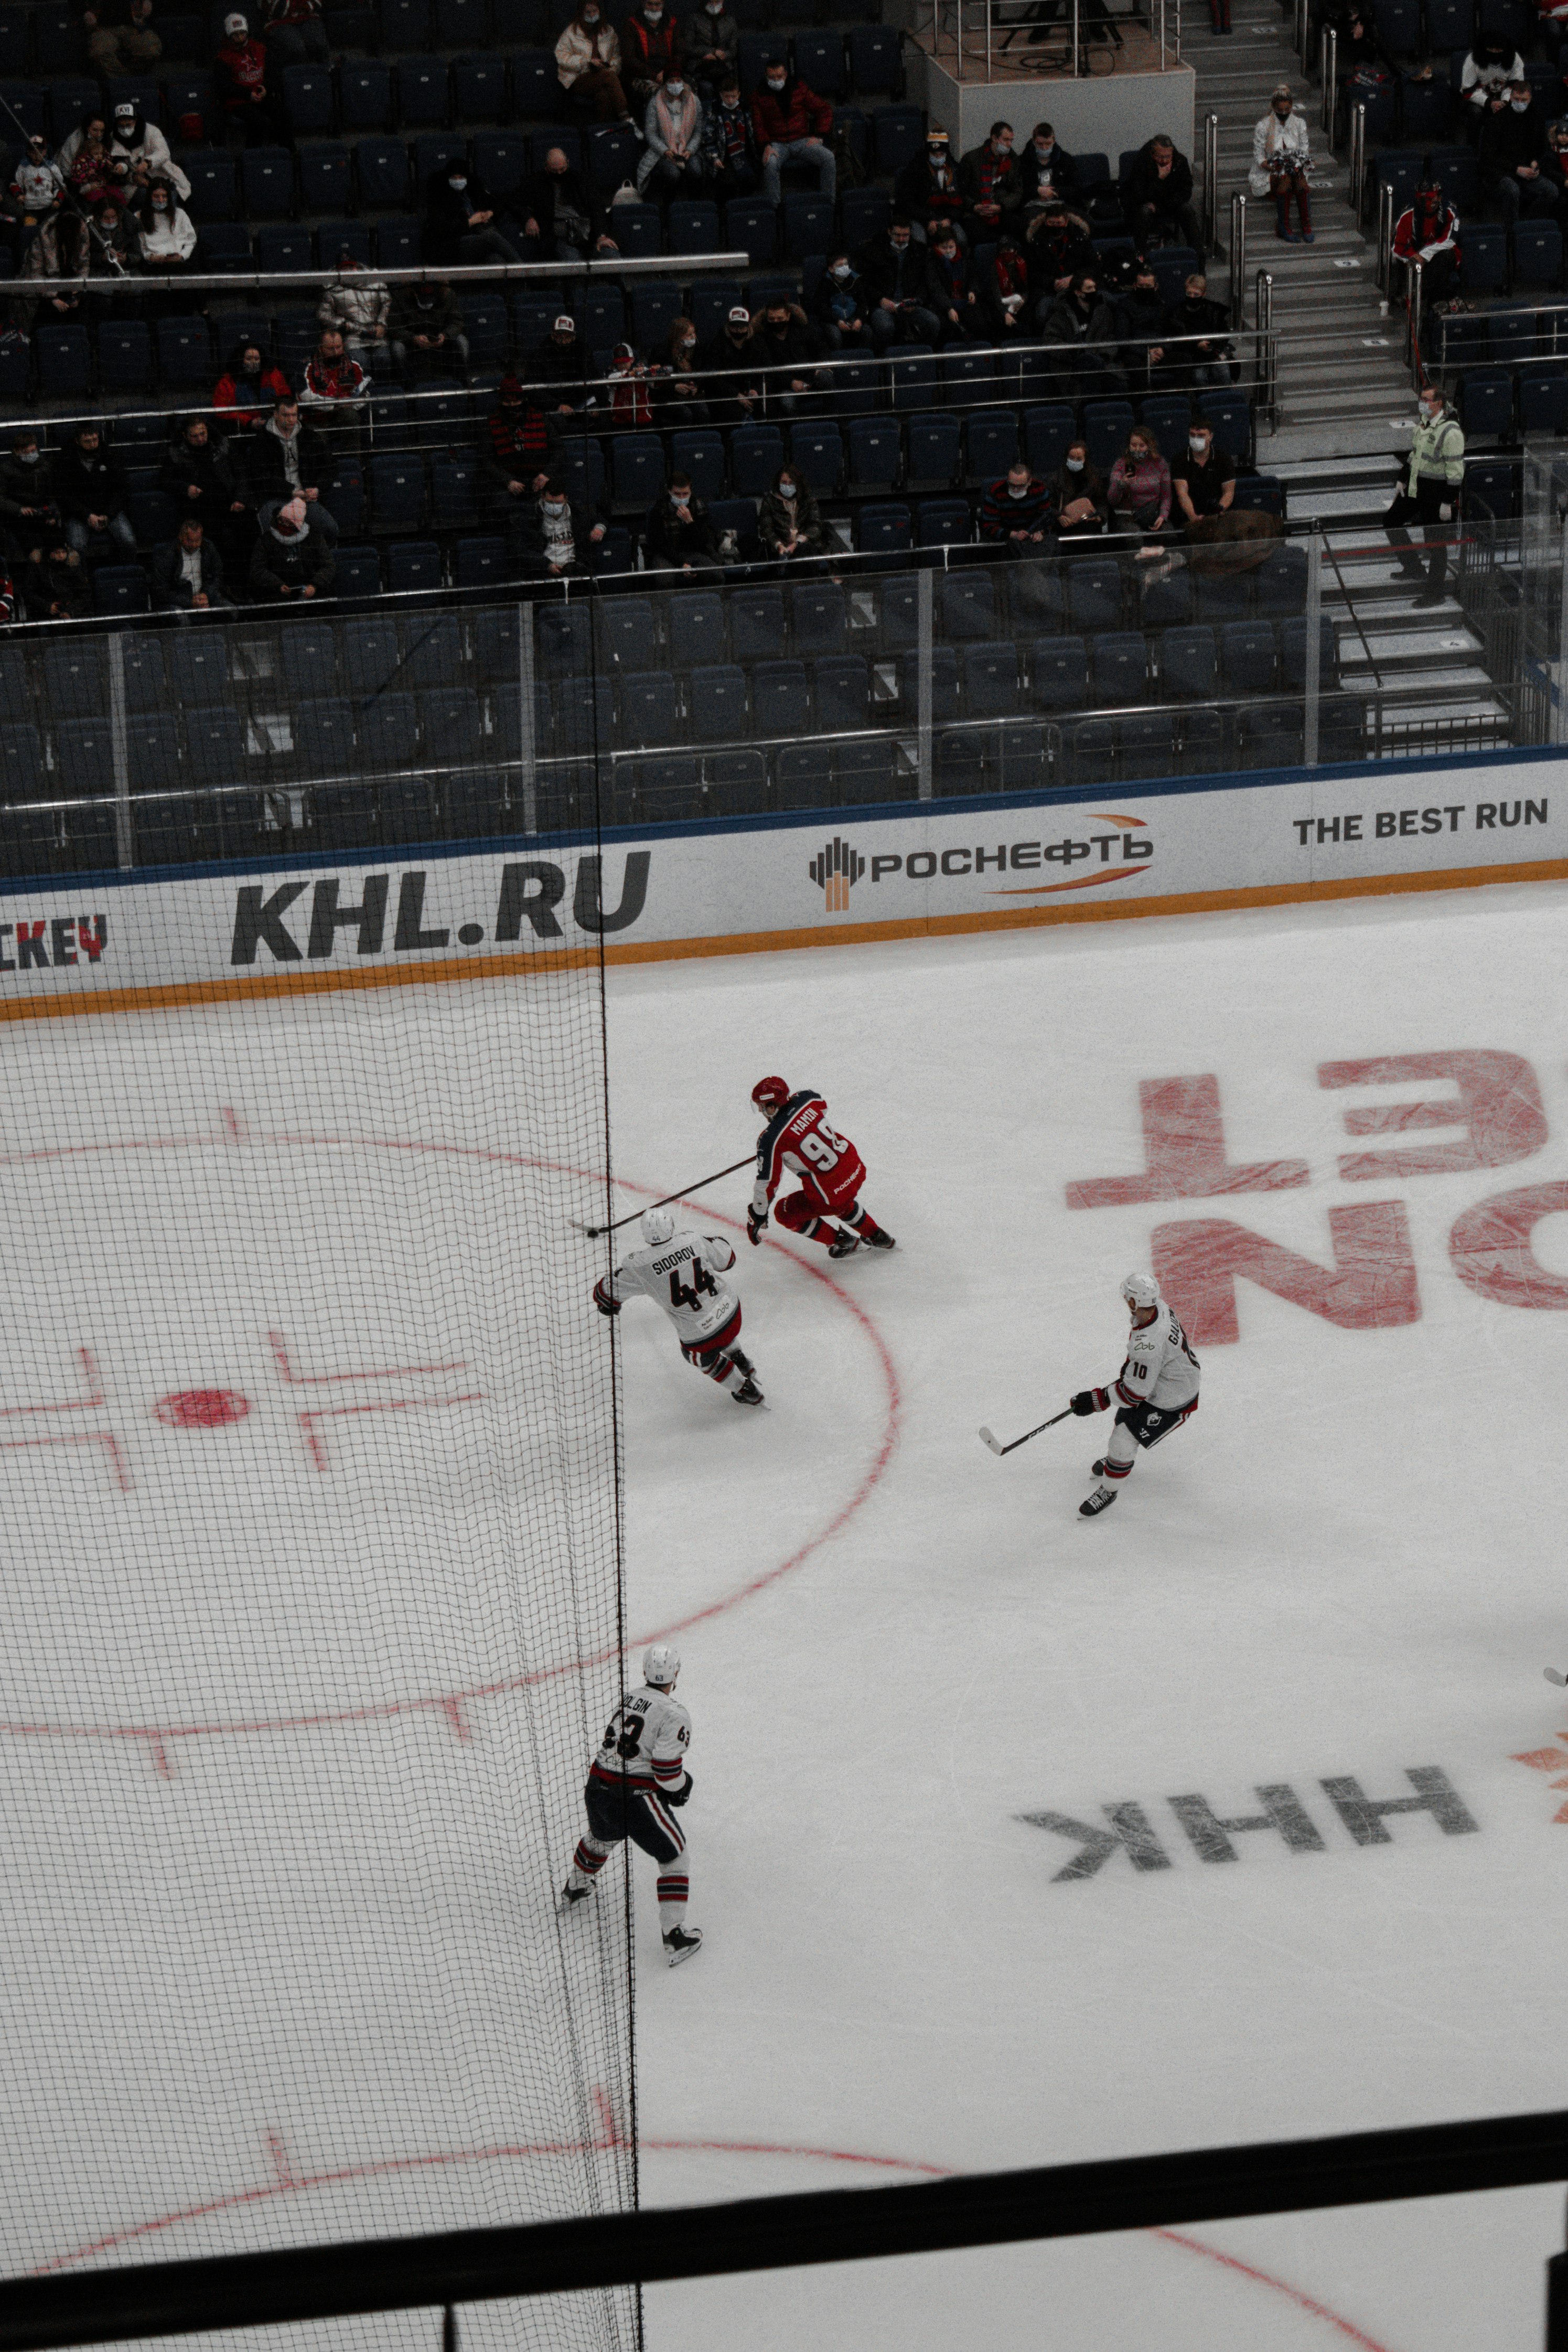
741, 312
565, 324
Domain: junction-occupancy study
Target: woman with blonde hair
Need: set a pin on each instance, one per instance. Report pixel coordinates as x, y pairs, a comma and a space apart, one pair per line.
1281, 161
1139, 486
588, 67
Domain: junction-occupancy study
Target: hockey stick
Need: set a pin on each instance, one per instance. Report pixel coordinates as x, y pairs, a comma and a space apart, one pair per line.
595, 1231
991, 1442
1554, 1676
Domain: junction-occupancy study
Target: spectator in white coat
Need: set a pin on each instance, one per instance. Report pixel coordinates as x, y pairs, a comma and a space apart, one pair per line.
1282, 164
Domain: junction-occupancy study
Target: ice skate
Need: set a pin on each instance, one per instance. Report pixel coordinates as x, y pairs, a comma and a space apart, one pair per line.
680, 1943
845, 1243
878, 1240
1101, 1501
748, 1392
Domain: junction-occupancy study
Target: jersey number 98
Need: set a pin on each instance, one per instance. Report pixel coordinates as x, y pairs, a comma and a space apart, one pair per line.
822, 1147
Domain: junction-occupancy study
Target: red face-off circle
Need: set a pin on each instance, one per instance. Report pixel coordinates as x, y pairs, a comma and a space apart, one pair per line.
201, 1408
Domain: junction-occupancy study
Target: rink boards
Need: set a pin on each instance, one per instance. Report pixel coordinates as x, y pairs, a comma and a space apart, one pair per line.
809, 880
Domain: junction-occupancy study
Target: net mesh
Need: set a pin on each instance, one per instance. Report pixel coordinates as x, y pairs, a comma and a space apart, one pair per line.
309, 1468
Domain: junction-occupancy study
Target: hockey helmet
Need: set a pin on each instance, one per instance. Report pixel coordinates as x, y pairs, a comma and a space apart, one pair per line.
1139, 1290
660, 1664
658, 1225
770, 1095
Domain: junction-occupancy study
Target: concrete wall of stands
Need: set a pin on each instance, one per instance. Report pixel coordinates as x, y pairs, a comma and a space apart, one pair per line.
119, 940
1090, 114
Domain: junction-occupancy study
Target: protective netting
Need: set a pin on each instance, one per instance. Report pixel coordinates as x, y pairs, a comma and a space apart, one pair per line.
309, 1480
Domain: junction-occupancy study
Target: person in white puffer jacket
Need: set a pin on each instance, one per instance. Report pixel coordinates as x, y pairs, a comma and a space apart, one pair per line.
359, 311
1281, 164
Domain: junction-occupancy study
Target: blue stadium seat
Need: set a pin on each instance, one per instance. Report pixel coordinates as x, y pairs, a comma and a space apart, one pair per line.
1293, 653
479, 92
214, 745
841, 685
626, 636
1450, 24
697, 633
1228, 413
780, 703
359, 572
884, 527
1188, 662
124, 355
211, 174
22, 771
1121, 665
184, 351
15, 41
1095, 594
1058, 673
153, 516
718, 702
454, 490
284, 245
1147, 743
1483, 257
944, 522
1166, 603
804, 773
966, 606
405, 24
1486, 401
899, 134
863, 213
534, 87
266, 182
875, 63
59, 41
819, 61
364, 94
817, 451
381, 169
1247, 656
655, 305
912, 381
1271, 735
1222, 596
853, 387
1542, 399
1537, 253
434, 151
65, 361
1491, 489
1048, 430
990, 444
479, 563
694, 227
308, 99
700, 453
875, 453
638, 232
397, 493
225, 245
500, 159
325, 179
931, 451
750, 227
737, 783
411, 564
807, 227
1106, 425
650, 711
818, 618
756, 622
756, 453
636, 471
760, 49
613, 152
990, 678
388, 727
462, 25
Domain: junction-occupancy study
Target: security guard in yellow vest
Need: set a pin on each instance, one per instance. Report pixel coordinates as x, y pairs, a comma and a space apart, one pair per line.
1429, 493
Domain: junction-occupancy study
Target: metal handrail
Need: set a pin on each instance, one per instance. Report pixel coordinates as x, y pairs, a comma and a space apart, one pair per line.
1211, 183
235, 282
1329, 65
1358, 161
1385, 234
1238, 255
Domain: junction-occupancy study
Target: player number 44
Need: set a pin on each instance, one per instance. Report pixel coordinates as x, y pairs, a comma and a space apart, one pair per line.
690, 1294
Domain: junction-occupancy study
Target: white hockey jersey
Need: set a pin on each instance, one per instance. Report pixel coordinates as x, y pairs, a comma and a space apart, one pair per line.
646, 1739
1161, 1368
683, 1275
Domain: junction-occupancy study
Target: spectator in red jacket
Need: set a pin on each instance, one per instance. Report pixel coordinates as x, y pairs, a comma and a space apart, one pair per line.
792, 126
240, 72
249, 386
1429, 232
649, 48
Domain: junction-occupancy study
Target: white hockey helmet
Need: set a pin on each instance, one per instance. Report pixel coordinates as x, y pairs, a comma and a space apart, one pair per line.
658, 1225
1139, 1290
660, 1664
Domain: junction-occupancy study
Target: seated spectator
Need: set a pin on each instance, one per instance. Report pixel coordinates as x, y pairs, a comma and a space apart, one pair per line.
1428, 231
792, 126
284, 460
187, 572
711, 47
1206, 362
560, 211
1157, 197
250, 386
950, 292
293, 556
1282, 166
678, 390
678, 535
1484, 79
991, 181
426, 329
650, 53
1015, 512
840, 305
630, 403
92, 179
119, 37
1078, 495
142, 154
1144, 316
1085, 327
788, 523
927, 188
460, 221
1204, 480
517, 455
294, 32
1514, 151
54, 581
730, 384
1058, 246
559, 366
1366, 70
672, 161
114, 242
731, 156
198, 474
1004, 288
556, 534
1139, 491
1554, 164
89, 489
335, 393
893, 276
588, 67
782, 344
26, 504
166, 239
36, 202
252, 110
1049, 175
359, 308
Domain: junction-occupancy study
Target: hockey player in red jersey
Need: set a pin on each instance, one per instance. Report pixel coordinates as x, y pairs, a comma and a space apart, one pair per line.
798, 1141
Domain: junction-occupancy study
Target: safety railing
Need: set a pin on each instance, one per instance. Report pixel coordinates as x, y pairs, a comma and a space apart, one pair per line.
974, 39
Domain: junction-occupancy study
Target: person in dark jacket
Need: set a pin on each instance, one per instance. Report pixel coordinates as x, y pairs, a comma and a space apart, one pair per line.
1208, 360
1015, 512
710, 48
187, 572
783, 344
53, 580
89, 489
242, 78
650, 51
1079, 499
559, 366
554, 534
293, 557
26, 504
678, 535
1157, 197
991, 181
732, 159
792, 126
426, 331
841, 307
1058, 246
1142, 311
461, 220
788, 523
1004, 288
1087, 325
198, 475
892, 271
1047, 173
1203, 480
726, 364
561, 212
927, 188
517, 455
284, 460
1513, 159
951, 291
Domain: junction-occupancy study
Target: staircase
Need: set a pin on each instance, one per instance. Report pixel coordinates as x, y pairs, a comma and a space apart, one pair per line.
1352, 374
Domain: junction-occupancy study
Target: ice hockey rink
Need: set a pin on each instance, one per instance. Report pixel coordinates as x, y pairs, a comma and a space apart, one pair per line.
954, 1920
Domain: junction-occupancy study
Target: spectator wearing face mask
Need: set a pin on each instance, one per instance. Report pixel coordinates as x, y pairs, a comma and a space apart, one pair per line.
143, 152
26, 505
1047, 173
1513, 150
1139, 491
672, 164
678, 535
1281, 167
711, 47
840, 306
460, 221
1206, 362
293, 559
950, 288
1429, 493
1077, 494
54, 581
1429, 232
893, 281
781, 345
558, 365
927, 188
730, 382
677, 387
731, 155
359, 307
251, 108
788, 524
1058, 246
1204, 480
90, 489
1484, 79
426, 331
588, 67
1004, 288
556, 535
650, 53
991, 181
1016, 511
1143, 312
335, 393
166, 241
518, 454
561, 212
249, 386
1157, 197
1086, 331
792, 126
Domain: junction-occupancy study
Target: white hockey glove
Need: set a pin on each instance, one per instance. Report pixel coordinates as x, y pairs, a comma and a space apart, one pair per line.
1445, 514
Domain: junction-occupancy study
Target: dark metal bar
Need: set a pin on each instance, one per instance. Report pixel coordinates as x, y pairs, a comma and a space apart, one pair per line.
543, 273
782, 2233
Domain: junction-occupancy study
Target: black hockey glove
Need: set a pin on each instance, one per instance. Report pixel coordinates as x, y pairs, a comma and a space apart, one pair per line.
604, 1302
1090, 1400
678, 1796
755, 1227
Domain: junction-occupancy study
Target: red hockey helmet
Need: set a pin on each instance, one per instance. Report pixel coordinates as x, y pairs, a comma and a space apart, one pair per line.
770, 1095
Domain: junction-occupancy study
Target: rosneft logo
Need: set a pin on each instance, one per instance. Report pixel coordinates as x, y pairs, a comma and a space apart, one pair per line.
837, 868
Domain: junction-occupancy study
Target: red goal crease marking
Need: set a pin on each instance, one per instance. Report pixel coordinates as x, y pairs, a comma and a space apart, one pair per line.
308, 1421
321, 1379
92, 1381
160, 1738
110, 1445
287, 2182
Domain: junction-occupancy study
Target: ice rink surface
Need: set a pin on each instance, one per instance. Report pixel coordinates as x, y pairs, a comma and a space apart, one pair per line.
912, 1669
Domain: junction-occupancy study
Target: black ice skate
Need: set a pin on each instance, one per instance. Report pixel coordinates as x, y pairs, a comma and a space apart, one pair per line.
1101, 1501
845, 1243
680, 1943
571, 1895
880, 1239
748, 1392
